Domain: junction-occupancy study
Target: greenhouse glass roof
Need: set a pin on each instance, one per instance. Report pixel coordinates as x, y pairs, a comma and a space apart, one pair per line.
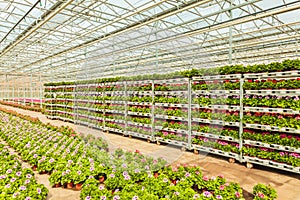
80, 39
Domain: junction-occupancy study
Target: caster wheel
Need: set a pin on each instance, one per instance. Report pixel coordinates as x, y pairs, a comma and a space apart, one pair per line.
249, 165
231, 160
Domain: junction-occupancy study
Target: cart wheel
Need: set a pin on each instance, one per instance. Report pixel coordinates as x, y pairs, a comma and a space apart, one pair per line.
196, 151
231, 160
249, 165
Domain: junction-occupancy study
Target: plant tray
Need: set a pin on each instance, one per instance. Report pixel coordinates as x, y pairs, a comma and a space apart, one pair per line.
273, 128
272, 146
139, 135
229, 76
273, 74
271, 110
172, 105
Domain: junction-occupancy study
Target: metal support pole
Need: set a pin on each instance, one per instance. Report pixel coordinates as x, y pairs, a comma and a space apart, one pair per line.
18, 95
114, 63
241, 128
104, 103
31, 96
189, 114
13, 93
24, 94
7, 89
152, 112
126, 108
40, 92
230, 35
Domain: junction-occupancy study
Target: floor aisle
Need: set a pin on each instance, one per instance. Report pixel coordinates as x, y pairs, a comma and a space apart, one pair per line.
286, 184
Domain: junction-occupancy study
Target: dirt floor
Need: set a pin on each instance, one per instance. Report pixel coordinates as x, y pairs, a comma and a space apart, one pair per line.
287, 184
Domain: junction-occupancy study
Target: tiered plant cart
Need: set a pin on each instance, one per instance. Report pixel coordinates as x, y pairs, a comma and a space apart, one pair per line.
248, 117
272, 120
216, 126
139, 112
172, 111
59, 102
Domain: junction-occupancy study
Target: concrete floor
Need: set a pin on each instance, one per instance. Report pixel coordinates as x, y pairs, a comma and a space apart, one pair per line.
286, 184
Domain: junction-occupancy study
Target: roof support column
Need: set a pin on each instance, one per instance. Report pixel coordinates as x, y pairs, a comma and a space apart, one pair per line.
230, 35
31, 93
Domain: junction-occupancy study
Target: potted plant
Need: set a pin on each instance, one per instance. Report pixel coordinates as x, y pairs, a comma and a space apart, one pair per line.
262, 191
55, 179
79, 175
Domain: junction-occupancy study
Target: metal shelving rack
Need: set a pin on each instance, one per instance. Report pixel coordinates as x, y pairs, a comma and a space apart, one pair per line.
166, 118
190, 95
272, 129
219, 93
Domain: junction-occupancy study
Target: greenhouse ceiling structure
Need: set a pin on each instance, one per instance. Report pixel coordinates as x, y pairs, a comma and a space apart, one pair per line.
48, 40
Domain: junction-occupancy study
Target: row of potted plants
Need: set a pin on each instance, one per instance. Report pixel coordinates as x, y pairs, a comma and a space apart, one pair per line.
17, 182
224, 115
216, 85
207, 100
268, 137
285, 65
273, 119
171, 135
49, 152
171, 111
272, 101
122, 171
35, 107
272, 84
290, 158
180, 182
66, 130
225, 146
216, 130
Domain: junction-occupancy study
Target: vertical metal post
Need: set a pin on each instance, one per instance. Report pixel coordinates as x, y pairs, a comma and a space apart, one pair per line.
18, 95
13, 93
241, 128
113, 46
31, 96
152, 112
189, 113
153, 85
126, 107
104, 103
40, 92
7, 89
230, 35
24, 94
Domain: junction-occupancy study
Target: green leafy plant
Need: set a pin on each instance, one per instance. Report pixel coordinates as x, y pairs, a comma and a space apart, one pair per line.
262, 191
